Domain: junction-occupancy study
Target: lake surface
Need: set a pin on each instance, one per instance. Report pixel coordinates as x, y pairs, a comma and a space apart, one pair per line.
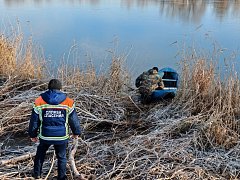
149, 32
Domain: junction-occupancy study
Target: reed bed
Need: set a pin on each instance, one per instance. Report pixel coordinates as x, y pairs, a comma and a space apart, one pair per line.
19, 58
193, 136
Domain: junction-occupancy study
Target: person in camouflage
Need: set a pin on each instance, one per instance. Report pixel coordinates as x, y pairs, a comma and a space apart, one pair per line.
147, 82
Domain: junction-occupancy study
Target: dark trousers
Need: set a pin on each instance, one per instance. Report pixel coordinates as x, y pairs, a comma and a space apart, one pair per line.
60, 150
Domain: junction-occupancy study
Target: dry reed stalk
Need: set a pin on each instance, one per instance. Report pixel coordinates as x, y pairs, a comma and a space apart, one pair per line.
7, 57
18, 59
177, 144
16, 108
16, 104
106, 83
19, 90
169, 150
194, 136
204, 92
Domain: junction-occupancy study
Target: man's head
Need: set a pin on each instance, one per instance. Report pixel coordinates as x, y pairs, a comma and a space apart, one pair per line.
54, 84
155, 70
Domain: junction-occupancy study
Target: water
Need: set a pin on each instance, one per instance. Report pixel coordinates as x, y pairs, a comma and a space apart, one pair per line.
150, 32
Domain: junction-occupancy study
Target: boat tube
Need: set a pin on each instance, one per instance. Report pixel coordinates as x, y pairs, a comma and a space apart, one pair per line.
170, 80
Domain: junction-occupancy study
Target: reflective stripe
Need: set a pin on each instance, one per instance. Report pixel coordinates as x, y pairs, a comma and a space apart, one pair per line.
48, 106
53, 106
72, 108
168, 88
35, 109
169, 79
41, 120
54, 138
66, 125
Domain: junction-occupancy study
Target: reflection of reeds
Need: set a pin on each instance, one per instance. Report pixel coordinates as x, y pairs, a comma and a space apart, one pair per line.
188, 10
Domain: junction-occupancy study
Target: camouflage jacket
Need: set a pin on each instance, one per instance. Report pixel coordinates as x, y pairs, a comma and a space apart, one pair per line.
148, 82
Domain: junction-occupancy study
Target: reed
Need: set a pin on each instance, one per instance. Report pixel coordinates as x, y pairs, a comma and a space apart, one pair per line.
209, 92
19, 59
194, 136
109, 81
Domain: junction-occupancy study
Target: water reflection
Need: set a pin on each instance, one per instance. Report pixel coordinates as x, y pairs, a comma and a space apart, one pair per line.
187, 10
223, 7
151, 27
14, 3
22, 2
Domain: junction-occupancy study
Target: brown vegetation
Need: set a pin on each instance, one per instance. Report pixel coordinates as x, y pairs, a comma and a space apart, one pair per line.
194, 136
18, 59
205, 92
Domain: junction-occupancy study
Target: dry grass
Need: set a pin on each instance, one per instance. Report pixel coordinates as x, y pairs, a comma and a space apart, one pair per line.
98, 94
109, 82
194, 136
18, 59
204, 92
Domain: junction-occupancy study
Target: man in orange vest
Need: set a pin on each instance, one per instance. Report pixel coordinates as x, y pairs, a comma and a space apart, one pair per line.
52, 115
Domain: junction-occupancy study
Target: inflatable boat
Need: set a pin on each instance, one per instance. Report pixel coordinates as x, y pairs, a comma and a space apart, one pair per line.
170, 80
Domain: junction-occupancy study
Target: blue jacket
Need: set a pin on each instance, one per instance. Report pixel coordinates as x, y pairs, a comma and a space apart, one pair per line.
53, 122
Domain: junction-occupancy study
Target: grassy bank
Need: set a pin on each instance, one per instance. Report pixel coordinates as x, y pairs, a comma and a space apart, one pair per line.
194, 136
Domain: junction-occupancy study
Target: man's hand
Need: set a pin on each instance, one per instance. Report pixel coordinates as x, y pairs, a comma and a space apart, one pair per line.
74, 136
35, 139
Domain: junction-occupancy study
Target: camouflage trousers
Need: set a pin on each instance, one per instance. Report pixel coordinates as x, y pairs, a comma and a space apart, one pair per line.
146, 93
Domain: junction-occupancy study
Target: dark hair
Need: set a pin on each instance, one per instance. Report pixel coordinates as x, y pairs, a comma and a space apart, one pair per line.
54, 84
155, 68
